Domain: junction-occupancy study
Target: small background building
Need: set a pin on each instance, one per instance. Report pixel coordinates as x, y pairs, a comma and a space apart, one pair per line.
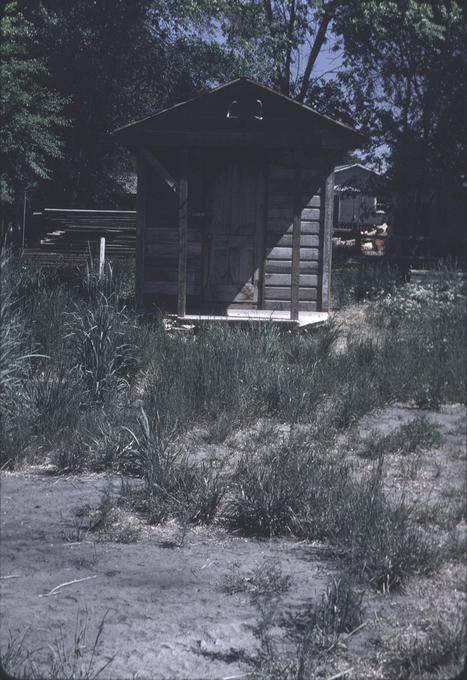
356, 198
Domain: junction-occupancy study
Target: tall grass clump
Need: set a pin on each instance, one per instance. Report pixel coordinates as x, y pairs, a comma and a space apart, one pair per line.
173, 486
438, 651
63, 658
385, 545
423, 329
241, 373
15, 358
97, 339
53, 397
287, 488
14, 337
366, 281
294, 487
418, 433
47, 311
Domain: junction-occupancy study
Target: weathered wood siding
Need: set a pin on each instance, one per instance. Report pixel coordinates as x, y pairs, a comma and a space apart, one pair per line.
279, 226
275, 209
162, 246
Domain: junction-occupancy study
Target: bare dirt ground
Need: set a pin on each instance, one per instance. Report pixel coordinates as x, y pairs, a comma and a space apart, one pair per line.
168, 612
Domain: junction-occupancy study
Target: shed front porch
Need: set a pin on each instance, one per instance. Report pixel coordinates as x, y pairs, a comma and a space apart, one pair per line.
247, 316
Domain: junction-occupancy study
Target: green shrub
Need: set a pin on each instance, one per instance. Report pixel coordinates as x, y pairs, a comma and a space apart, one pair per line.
352, 284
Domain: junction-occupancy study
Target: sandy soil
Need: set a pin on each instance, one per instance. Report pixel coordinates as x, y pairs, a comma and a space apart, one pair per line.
168, 612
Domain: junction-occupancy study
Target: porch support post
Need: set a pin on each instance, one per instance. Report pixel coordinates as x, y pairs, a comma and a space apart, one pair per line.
327, 209
297, 216
141, 208
182, 230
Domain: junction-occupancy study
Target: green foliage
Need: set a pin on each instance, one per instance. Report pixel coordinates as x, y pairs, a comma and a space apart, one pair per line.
430, 325
403, 62
31, 111
365, 282
116, 62
294, 488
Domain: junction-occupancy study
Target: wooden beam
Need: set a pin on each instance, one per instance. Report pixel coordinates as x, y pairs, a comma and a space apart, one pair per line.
273, 139
160, 169
297, 217
260, 233
141, 219
327, 207
182, 231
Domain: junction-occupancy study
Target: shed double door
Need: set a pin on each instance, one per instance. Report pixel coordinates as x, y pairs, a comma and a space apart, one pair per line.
232, 238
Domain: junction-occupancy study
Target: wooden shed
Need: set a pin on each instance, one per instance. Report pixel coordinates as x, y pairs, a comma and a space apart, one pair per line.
234, 204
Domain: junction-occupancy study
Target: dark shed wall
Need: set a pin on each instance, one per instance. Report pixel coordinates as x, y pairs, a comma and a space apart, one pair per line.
161, 235
161, 245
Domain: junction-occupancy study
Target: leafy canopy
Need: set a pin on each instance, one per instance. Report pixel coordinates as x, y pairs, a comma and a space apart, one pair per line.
31, 113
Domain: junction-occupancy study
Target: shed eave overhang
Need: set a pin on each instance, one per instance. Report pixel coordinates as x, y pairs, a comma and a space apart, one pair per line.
272, 139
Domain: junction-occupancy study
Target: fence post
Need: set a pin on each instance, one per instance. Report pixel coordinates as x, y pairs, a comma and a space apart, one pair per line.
101, 256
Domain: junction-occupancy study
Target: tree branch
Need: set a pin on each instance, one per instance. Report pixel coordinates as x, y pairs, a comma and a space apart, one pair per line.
270, 19
314, 52
288, 57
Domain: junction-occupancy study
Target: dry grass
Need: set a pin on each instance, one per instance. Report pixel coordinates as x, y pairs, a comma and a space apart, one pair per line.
113, 391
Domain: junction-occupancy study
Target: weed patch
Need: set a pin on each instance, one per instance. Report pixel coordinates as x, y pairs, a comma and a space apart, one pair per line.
419, 433
419, 655
75, 660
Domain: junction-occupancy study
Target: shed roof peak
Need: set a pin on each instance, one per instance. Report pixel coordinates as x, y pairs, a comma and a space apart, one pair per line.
233, 84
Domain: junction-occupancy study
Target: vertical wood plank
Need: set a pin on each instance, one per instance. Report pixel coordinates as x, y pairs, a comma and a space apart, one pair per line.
182, 231
266, 175
260, 234
297, 219
141, 219
327, 206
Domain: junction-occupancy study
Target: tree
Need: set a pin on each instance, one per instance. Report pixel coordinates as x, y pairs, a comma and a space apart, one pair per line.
114, 61
406, 71
31, 116
274, 36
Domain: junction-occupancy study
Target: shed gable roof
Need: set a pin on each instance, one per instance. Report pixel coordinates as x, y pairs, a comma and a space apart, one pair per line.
208, 112
357, 177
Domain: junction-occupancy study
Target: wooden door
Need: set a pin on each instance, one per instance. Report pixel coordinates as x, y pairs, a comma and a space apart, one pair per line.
232, 252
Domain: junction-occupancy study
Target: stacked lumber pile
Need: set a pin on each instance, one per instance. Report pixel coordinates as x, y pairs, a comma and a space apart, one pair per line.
71, 236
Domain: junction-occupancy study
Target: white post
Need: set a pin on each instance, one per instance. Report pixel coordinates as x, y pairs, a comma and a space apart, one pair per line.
23, 239
101, 257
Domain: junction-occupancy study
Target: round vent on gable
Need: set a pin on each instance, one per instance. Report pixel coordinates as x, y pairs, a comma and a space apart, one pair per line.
245, 109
